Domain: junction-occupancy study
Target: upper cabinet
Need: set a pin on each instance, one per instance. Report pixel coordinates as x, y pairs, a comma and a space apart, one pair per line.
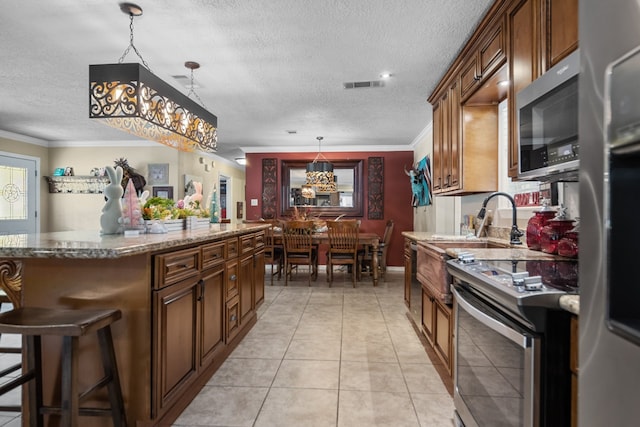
515, 42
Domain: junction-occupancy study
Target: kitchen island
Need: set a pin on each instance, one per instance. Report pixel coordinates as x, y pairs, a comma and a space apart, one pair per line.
187, 299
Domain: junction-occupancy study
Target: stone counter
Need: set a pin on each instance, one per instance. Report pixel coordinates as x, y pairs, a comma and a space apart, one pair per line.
93, 245
513, 253
571, 303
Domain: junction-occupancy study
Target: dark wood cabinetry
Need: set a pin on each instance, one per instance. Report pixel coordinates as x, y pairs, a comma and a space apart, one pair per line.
204, 298
515, 42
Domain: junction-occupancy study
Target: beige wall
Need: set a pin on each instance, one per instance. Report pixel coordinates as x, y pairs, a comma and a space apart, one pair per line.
62, 212
441, 216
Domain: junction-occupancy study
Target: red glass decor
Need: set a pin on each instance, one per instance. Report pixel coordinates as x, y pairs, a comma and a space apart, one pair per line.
568, 245
534, 227
552, 233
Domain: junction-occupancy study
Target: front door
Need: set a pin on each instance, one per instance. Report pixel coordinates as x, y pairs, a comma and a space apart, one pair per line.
18, 190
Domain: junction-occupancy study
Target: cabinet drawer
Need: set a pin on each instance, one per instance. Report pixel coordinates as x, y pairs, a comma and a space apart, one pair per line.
175, 266
232, 320
232, 248
247, 243
232, 279
258, 242
213, 254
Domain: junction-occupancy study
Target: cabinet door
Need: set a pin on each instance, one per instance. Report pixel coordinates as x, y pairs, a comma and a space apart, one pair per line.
523, 64
175, 338
442, 341
232, 318
492, 51
437, 148
453, 179
232, 279
469, 76
258, 276
561, 29
428, 315
246, 287
445, 152
407, 272
212, 312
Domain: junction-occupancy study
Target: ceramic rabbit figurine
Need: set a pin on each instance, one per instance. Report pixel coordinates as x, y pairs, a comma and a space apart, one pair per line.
112, 210
197, 196
143, 198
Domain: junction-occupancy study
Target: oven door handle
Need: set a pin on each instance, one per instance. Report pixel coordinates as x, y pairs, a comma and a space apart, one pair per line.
519, 338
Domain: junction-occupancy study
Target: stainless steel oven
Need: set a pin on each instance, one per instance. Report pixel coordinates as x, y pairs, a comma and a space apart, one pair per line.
511, 365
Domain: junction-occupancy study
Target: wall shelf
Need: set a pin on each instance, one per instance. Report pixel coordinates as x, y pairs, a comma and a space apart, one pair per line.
77, 184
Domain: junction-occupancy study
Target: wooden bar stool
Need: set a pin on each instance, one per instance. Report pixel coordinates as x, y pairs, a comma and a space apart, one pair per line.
33, 323
4, 299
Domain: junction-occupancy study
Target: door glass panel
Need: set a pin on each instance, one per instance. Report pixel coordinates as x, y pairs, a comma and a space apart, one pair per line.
13, 194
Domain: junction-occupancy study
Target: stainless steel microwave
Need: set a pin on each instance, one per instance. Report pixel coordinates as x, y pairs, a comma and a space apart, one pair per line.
548, 124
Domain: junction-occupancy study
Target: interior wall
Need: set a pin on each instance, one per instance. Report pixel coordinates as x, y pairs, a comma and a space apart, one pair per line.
397, 192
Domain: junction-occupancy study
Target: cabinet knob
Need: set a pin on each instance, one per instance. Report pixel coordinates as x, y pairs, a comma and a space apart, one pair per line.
233, 277
233, 317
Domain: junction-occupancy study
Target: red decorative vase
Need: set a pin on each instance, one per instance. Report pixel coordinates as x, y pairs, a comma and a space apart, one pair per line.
535, 225
552, 233
568, 245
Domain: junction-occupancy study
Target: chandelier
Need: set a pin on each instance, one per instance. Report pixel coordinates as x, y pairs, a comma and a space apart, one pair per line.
320, 173
130, 97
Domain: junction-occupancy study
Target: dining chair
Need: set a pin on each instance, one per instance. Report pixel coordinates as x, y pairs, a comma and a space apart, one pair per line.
299, 248
273, 252
343, 247
367, 256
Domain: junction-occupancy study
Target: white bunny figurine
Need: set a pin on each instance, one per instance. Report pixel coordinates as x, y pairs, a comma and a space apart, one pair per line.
197, 196
143, 198
112, 210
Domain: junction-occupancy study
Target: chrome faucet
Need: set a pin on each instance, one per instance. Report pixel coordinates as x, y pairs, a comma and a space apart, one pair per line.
515, 233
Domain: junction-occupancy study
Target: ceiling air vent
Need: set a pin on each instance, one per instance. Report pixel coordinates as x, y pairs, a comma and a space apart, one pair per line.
363, 85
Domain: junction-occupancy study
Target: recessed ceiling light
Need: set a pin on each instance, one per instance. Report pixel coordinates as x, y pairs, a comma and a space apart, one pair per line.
241, 160
386, 75
292, 132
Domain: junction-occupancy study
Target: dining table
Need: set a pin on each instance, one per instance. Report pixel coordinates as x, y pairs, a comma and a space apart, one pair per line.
364, 238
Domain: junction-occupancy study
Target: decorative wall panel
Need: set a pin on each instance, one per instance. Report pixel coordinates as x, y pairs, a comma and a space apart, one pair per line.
375, 178
269, 188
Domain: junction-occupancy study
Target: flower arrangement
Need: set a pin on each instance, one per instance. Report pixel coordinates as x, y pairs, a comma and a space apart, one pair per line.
164, 209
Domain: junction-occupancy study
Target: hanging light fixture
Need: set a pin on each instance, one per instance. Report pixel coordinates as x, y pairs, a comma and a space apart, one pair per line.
308, 191
320, 172
130, 97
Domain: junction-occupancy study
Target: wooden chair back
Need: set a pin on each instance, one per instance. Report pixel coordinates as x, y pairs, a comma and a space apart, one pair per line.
343, 237
297, 238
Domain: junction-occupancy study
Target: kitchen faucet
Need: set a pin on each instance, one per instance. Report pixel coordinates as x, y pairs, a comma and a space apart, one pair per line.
515, 233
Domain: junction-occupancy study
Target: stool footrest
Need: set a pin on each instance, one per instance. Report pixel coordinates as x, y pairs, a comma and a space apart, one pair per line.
85, 412
17, 382
103, 382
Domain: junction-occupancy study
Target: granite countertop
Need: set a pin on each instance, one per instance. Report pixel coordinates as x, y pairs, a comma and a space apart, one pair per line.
92, 244
417, 235
513, 253
571, 303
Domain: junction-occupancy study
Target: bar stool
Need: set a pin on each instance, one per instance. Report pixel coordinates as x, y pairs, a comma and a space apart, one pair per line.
4, 299
33, 323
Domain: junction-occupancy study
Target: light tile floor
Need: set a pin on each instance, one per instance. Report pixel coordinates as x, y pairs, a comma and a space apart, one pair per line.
322, 356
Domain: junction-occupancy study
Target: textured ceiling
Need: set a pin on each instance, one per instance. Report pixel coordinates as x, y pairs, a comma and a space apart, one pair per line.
266, 66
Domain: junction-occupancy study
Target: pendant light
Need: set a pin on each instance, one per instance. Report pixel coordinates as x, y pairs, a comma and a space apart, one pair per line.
320, 172
131, 98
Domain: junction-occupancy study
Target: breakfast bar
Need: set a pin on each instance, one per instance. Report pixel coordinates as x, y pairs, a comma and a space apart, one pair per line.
187, 299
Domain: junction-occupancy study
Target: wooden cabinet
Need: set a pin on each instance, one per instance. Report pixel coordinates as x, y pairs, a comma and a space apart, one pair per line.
561, 30
176, 343
573, 363
540, 33
516, 41
408, 272
437, 326
489, 56
211, 334
446, 141
522, 18
204, 299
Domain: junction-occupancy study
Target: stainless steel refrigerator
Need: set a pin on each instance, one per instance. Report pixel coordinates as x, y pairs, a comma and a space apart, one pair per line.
609, 361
